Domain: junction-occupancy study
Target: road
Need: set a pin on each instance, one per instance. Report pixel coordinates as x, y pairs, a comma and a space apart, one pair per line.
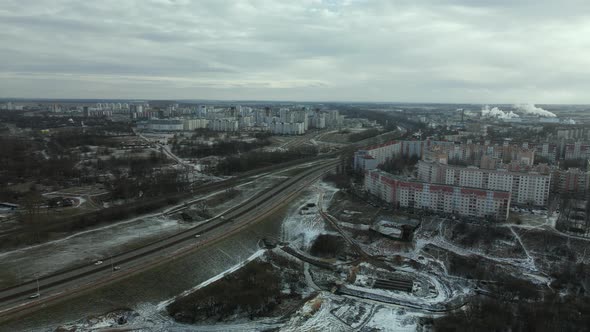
66, 283
164, 148
72, 281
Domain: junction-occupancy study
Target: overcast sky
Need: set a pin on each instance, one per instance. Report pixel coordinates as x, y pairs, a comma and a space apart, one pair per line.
480, 51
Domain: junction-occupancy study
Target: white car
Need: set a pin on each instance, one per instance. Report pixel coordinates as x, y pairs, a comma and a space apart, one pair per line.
34, 296
117, 268
198, 235
97, 262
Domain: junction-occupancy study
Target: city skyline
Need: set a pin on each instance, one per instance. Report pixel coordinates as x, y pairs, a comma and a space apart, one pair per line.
350, 51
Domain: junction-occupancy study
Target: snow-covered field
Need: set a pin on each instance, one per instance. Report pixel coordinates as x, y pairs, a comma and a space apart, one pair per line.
335, 313
84, 247
435, 288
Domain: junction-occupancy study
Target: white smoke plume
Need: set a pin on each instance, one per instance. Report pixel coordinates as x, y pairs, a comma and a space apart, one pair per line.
534, 110
495, 112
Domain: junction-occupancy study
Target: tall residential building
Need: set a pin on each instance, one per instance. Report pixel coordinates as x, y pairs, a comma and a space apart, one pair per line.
572, 180
526, 187
494, 204
382, 152
224, 124
578, 150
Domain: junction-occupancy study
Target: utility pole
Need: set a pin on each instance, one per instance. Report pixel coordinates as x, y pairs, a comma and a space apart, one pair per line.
37, 277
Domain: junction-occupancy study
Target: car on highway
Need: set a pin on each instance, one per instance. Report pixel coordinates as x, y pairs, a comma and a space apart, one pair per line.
97, 262
116, 268
34, 296
197, 235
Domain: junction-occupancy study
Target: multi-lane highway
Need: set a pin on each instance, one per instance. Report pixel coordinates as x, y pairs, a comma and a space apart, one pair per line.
69, 282
66, 283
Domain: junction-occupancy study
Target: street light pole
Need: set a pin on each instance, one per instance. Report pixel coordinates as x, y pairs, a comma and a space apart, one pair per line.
37, 276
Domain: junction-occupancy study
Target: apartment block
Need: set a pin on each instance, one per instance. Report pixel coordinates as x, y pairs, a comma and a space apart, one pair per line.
526, 187
451, 199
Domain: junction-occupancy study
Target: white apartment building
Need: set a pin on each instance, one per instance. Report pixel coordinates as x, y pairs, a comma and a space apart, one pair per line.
287, 128
573, 180
577, 151
471, 202
166, 125
393, 149
526, 187
228, 124
192, 124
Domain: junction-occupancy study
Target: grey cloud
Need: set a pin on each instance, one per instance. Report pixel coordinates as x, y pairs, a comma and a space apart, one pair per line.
431, 50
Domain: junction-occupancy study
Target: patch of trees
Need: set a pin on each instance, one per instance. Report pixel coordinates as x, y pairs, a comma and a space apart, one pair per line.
327, 245
399, 165
38, 227
543, 160
253, 291
472, 235
137, 166
459, 162
147, 182
20, 162
388, 120
574, 278
554, 313
42, 120
498, 283
573, 163
187, 149
11, 196
102, 136
257, 159
363, 135
341, 181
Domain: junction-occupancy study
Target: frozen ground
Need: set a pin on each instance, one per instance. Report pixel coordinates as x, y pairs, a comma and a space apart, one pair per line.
24, 264
301, 230
434, 287
99, 243
333, 313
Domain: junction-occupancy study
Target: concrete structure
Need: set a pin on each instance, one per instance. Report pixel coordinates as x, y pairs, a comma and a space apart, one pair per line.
471, 202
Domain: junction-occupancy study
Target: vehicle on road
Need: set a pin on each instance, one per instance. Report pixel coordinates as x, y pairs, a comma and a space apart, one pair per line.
34, 296
97, 262
116, 268
198, 235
